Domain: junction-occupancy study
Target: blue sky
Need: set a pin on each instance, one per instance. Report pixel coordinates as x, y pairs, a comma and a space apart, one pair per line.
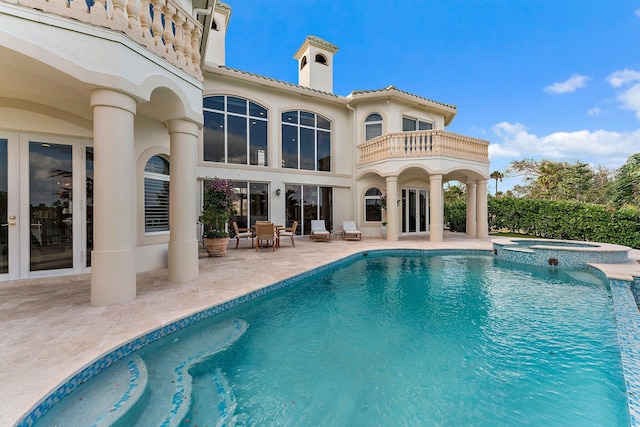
553, 79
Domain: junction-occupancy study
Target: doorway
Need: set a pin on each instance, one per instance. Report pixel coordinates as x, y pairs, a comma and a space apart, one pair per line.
45, 205
415, 210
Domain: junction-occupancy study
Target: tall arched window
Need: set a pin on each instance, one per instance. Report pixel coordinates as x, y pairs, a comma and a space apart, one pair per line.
235, 131
306, 141
372, 210
156, 195
372, 126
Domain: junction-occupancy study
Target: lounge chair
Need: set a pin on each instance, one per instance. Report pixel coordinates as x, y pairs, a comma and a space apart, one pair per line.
350, 231
265, 232
289, 232
241, 233
319, 231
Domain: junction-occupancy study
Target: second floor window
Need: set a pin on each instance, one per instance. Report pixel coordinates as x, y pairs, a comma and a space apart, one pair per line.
235, 131
306, 141
410, 124
372, 126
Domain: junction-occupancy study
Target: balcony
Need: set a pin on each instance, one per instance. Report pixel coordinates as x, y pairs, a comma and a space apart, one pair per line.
161, 26
427, 143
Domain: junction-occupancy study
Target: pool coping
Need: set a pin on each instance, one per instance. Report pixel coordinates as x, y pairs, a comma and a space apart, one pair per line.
627, 320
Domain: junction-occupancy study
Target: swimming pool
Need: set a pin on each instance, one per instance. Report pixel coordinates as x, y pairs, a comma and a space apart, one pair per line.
441, 349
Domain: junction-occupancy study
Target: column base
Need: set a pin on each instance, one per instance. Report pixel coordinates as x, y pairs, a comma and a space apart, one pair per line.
113, 277
183, 260
436, 233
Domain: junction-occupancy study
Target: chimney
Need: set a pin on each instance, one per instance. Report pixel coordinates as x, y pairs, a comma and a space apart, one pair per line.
215, 53
315, 64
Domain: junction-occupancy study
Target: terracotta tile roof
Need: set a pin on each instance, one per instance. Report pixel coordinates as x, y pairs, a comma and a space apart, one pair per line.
391, 89
282, 82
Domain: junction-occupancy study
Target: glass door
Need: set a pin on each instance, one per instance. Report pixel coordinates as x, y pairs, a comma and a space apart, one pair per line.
415, 218
45, 227
4, 215
51, 206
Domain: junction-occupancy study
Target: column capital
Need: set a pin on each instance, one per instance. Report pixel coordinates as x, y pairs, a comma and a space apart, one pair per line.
112, 98
435, 177
391, 178
183, 126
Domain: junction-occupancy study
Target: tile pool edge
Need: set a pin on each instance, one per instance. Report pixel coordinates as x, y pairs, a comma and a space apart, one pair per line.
102, 362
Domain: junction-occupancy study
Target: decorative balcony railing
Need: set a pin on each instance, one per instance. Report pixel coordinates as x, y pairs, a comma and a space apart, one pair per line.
162, 26
426, 143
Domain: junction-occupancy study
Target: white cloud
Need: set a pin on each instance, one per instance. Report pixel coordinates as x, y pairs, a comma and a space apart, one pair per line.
575, 82
594, 112
638, 13
607, 148
629, 96
624, 77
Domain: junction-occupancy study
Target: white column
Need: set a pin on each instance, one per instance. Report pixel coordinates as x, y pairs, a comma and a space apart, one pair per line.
471, 208
392, 208
482, 210
436, 208
113, 260
183, 215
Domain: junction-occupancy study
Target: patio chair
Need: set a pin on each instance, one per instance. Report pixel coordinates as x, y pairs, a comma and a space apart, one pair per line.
289, 232
319, 231
350, 231
241, 233
265, 232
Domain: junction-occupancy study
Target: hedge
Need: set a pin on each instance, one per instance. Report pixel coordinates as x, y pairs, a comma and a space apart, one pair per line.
555, 220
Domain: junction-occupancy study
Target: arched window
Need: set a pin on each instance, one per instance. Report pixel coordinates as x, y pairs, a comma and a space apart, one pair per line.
372, 210
321, 59
235, 131
303, 62
372, 126
214, 25
306, 141
156, 195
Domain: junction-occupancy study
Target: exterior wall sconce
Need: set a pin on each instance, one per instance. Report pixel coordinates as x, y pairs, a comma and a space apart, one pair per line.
278, 191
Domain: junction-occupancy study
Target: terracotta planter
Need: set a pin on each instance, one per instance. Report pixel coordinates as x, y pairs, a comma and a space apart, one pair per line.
217, 246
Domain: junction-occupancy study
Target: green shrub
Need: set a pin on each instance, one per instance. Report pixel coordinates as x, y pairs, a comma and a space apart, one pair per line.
565, 220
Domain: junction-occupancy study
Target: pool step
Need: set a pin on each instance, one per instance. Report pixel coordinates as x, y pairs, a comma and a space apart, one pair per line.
169, 382
524, 250
130, 397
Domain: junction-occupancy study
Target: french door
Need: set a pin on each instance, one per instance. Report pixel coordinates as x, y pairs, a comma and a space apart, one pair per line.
45, 205
415, 211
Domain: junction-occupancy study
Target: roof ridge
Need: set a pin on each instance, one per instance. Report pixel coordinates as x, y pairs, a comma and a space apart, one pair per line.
392, 88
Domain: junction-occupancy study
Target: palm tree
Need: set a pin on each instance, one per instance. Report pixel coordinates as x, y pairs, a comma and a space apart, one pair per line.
497, 175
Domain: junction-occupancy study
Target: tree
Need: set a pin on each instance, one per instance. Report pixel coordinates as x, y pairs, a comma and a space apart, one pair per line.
625, 188
497, 175
549, 180
454, 192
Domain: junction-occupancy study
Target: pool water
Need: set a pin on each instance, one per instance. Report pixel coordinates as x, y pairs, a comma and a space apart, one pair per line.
391, 340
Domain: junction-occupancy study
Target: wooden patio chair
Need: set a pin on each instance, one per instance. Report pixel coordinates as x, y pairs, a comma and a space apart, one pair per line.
242, 233
350, 231
319, 231
289, 232
265, 232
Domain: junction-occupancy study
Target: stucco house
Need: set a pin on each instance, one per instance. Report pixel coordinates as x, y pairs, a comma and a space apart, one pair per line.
113, 114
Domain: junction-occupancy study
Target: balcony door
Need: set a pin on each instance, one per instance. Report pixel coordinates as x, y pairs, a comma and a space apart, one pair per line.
44, 212
415, 211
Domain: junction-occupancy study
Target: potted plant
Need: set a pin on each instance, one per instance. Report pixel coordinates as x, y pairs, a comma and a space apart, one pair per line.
217, 206
382, 204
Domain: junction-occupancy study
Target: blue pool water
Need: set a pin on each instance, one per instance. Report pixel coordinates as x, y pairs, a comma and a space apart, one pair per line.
383, 340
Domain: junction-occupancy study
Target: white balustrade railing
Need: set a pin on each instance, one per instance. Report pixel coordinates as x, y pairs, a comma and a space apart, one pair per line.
176, 38
427, 143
